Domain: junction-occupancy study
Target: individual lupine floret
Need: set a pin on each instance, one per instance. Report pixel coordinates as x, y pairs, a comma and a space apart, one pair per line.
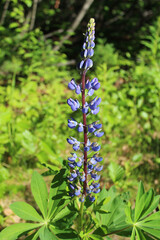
88, 85
85, 108
87, 146
94, 103
95, 85
74, 104
98, 133
74, 142
95, 111
72, 123
80, 127
78, 89
73, 86
92, 86
73, 158
95, 147
92, 198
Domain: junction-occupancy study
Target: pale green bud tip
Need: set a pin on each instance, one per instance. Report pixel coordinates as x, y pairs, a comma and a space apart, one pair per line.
91, 23
92, 20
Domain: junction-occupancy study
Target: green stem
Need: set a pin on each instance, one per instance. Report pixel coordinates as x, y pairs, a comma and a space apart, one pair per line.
81, 217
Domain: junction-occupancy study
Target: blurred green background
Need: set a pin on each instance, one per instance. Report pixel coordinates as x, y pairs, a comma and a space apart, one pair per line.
40, 44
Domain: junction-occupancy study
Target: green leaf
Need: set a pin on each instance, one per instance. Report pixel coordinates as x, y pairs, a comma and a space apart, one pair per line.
133, 234
154, 232
116, 172
152, 206
128, 212
50, 154
25, 211
57, 194
155, 224
143, 204
140, 235
12, 232
64, 212
154, 216
140, 192
101, 204
66, 234
33, 236
96, 237
39, 191
137, 157
45, 234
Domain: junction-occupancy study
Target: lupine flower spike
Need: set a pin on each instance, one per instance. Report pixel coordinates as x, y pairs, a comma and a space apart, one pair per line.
84, 174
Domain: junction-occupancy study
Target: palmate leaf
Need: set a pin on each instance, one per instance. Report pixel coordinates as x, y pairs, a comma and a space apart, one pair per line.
144, 226
151, 224
114, 220
25, 211
39, 191
12, 232
45, 234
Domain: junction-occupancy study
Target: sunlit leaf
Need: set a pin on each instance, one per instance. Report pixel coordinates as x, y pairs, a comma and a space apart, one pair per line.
12, 232
25, 211
39, 191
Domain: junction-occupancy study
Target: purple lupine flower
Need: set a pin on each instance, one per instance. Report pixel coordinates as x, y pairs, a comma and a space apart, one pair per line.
98, 133
98, 126
90, 92
88, 85
72, 123
78, 191
73, 140
99, 159
79, 163
72, 186
74, 104
81, 199
94, 103
98, 169
73, 158
95, 147
71, 165
70, 141
72, 85
93, 161
76, 147
96, 185
83, 179
85, 108
95, 111
95, 84
92, 198
78, 89
91, 128
96, 190
95, 177
80, 127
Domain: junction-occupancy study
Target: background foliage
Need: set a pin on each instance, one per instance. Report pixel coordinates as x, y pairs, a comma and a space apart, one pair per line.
36, 63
